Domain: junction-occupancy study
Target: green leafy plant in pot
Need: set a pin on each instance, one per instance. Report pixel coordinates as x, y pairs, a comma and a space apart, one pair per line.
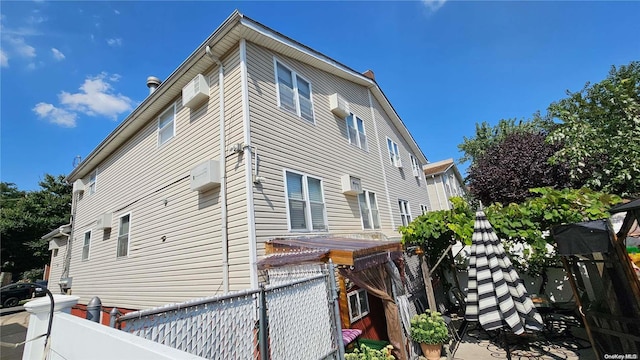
430, 330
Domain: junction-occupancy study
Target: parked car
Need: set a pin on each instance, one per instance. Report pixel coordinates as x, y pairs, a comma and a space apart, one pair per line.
12, 294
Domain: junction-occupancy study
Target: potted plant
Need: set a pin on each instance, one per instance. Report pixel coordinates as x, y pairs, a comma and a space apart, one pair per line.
367, 353
430, 330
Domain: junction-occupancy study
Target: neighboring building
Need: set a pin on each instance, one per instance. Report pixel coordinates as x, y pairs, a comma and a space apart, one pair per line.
443, 182
254, 136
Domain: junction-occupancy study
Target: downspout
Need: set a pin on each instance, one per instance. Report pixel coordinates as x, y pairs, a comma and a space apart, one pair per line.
223, 172
251, 217
67, 256
384, 174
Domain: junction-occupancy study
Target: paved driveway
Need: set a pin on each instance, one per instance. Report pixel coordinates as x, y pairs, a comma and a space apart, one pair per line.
13, 329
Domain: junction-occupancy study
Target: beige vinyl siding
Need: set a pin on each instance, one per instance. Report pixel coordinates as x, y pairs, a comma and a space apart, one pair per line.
56, 266
436, 193
400, 181
174, 244
286, 141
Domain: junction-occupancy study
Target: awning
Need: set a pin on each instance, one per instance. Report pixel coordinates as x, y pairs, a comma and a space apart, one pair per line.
358, 253
632, 205
582, 238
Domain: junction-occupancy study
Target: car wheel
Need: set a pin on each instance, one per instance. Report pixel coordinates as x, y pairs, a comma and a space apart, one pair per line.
10, 302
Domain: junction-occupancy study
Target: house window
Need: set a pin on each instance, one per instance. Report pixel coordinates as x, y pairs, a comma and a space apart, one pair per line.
92, 182
415, 166
424, 209
55, 252
166, 125
358, 305
305, 202
294, 92
369, 210
86, 245
123, 236
394, 153
355, 131
405, 213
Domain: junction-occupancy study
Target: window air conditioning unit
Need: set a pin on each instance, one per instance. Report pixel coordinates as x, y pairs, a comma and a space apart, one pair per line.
339, 106
195, 92
205, 175
416, 172
78, 186
103, 222
351, 185
398, 162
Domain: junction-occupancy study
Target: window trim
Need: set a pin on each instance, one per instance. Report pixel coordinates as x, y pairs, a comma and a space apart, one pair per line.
368, 201
128, 236
88, 246
405, 216
424, 209
361, 314
307, 213
93, 183
296, 95
392, 147
173, 122
415, 165
354, 123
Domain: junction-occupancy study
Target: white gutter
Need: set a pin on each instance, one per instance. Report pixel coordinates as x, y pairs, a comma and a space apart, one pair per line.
251, 217
384, 174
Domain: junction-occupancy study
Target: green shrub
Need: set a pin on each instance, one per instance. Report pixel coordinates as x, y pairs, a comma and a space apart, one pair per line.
429, 328
367, 353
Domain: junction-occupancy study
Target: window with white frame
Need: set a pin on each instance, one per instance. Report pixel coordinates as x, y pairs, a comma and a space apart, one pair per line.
358, 305
369, 210
424, 208
415, 166
294, 92
305, 202
166, 125
405, 213
86, 245
394, 153
355, 131
92, 182
123, 236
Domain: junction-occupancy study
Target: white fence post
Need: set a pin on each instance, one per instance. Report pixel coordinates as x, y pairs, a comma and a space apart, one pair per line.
40, 310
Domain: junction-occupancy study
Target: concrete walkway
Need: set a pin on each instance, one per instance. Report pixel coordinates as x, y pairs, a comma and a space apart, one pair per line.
13, 329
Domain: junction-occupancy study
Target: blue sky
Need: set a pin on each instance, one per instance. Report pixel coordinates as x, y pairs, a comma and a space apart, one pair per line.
71, 71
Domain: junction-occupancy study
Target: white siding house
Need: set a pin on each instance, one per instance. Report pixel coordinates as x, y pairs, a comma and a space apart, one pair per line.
284, 157
443, 182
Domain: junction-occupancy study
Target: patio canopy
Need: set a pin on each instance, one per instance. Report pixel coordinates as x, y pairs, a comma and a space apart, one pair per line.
357, 253
582, 238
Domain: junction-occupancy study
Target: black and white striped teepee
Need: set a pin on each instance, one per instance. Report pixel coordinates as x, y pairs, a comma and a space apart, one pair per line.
496, 297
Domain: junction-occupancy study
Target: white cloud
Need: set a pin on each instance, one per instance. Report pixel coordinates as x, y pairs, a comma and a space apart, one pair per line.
433, 5
96, 98
21, 47
55, 115
114, 42
116, 11
4, 59
57, 54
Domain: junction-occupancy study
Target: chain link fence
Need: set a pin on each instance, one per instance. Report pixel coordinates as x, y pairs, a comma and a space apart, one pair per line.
298, 319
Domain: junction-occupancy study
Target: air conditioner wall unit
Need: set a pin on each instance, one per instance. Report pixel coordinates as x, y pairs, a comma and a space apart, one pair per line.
398, 162
339, 106
78, 186
103, 222
195, 92
205, 175
351, 185
416, 172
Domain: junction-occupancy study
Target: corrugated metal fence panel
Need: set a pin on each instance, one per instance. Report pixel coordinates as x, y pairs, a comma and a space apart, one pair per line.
301, 324
220, 329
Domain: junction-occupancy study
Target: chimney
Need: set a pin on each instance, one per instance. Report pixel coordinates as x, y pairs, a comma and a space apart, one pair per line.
153, 83
369, 73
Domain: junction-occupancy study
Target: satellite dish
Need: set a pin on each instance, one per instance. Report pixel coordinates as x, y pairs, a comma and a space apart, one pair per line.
77, 160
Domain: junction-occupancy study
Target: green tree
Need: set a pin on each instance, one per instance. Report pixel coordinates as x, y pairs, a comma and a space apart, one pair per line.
25, 216
487, 136
599, 130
